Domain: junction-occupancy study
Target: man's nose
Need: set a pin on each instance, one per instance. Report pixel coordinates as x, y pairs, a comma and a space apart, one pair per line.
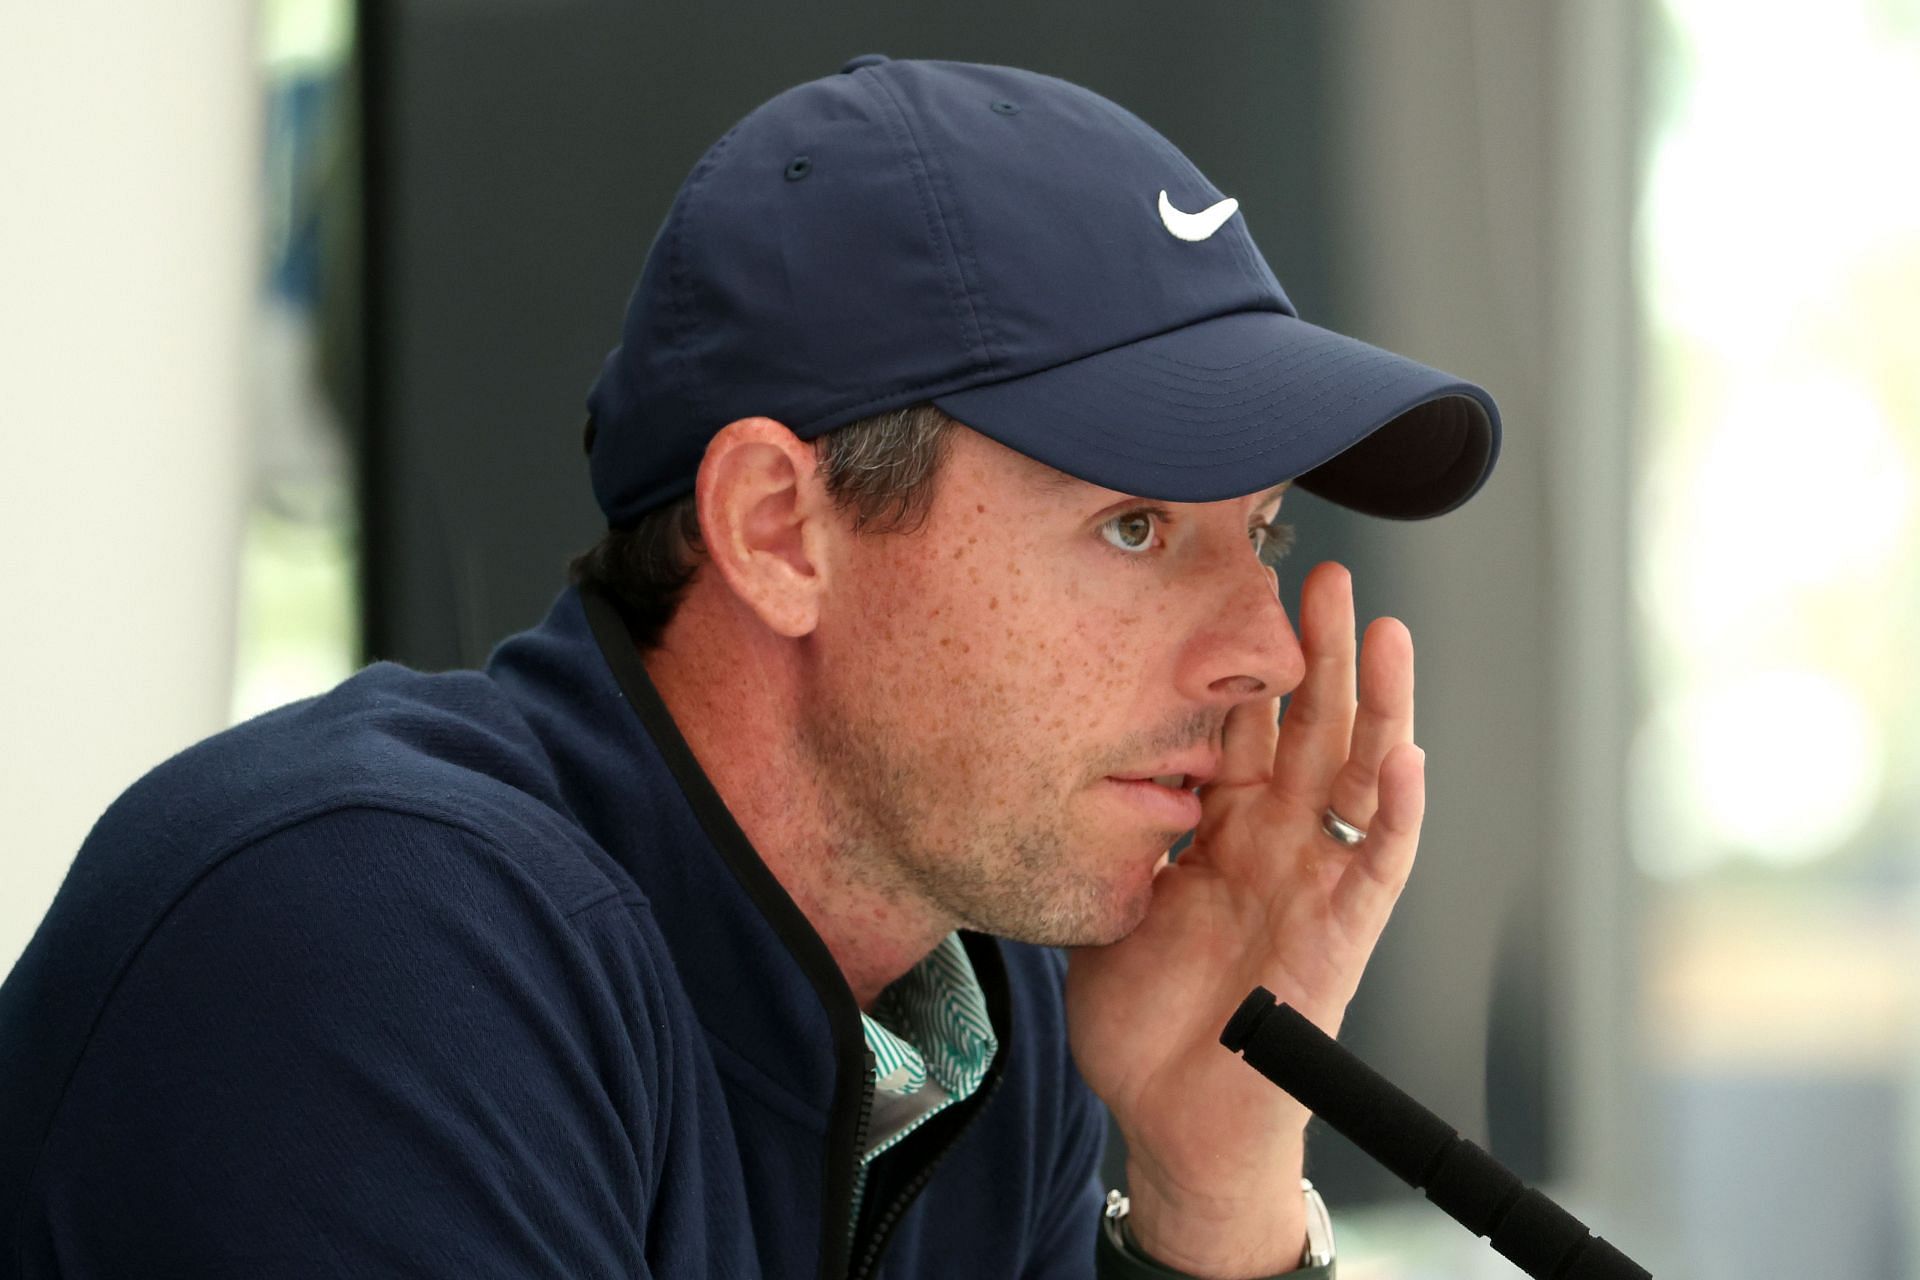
1249, 648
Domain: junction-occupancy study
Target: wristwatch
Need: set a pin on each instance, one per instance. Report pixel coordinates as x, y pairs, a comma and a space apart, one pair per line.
1121, 1256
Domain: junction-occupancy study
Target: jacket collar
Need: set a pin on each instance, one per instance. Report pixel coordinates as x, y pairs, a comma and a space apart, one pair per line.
765, 987
761, 979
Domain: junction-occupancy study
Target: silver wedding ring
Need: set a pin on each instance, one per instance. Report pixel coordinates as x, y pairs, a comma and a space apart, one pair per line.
1340, 829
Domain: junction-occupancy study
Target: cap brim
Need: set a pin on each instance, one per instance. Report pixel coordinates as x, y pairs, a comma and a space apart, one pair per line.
1236, 404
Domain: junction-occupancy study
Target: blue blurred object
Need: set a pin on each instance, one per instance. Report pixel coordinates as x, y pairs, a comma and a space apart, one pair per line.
298, 151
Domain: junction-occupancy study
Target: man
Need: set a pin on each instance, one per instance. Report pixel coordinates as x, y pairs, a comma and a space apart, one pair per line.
713, 929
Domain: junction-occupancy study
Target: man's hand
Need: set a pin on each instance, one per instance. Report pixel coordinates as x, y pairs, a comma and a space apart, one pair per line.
1262, 897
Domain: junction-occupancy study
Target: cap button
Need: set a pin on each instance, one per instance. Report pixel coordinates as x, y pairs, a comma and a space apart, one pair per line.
864, 60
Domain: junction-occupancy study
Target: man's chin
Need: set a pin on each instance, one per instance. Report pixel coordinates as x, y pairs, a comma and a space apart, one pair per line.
1131, 901
1089, 898
1129, 912
1136, 915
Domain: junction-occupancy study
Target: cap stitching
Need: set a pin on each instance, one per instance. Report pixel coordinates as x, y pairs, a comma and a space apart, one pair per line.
1136, 338
938, 234
1328, 365
1062, 413
682, 293
959, 238
1335, 371
1332, 362
955, 384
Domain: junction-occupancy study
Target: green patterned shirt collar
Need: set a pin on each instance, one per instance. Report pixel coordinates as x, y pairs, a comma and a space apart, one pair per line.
930, 1024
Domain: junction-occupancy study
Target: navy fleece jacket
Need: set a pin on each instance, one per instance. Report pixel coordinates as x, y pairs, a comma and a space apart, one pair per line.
473, 975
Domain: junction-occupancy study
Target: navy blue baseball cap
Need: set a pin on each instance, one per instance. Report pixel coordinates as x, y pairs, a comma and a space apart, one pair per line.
1036, 262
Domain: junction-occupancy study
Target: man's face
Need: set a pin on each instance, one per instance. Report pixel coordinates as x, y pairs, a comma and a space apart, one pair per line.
974, 684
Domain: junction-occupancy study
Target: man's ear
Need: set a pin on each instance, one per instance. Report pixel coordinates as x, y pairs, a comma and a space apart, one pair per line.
766, 519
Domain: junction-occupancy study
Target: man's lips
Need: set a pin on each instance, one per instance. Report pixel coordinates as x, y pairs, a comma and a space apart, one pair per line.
1171, 806
1184, 772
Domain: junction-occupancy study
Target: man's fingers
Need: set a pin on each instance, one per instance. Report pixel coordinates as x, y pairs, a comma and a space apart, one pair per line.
1317, 730
1380, 865
1246, 754
1385, 719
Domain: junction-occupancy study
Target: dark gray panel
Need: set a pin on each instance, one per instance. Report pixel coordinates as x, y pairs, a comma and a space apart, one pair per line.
522, 155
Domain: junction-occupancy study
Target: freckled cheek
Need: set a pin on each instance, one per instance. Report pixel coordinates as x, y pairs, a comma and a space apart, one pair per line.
1105, 656
1046, 677
992, 649
1116, 637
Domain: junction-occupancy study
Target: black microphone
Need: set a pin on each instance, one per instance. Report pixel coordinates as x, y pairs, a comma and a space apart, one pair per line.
1480, 1193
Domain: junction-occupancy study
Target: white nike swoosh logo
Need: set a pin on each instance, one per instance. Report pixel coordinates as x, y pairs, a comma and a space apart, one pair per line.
1196, 226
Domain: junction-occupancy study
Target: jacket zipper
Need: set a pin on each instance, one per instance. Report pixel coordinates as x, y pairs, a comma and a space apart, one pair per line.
883, 1227
866, 1111
860, 1145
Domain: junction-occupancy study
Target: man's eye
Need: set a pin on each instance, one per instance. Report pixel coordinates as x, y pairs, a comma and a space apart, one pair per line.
1134, 530
1271, 542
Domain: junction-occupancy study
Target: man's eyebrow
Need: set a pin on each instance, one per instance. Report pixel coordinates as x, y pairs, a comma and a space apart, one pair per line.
1050, 481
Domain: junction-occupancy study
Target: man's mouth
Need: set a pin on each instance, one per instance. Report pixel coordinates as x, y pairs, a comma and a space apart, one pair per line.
1165, 796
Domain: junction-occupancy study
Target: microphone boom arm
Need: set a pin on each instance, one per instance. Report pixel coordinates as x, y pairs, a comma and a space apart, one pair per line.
1477, 1191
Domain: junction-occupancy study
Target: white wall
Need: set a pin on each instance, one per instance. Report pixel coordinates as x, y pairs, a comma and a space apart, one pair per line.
128, 233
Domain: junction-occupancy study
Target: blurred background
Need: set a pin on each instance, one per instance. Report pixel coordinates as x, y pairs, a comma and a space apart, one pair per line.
299, 301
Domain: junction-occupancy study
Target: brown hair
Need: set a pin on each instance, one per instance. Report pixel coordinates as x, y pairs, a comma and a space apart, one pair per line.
884, 468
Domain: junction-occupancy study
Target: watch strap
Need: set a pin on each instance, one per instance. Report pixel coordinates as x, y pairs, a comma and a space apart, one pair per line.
1119, 1257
